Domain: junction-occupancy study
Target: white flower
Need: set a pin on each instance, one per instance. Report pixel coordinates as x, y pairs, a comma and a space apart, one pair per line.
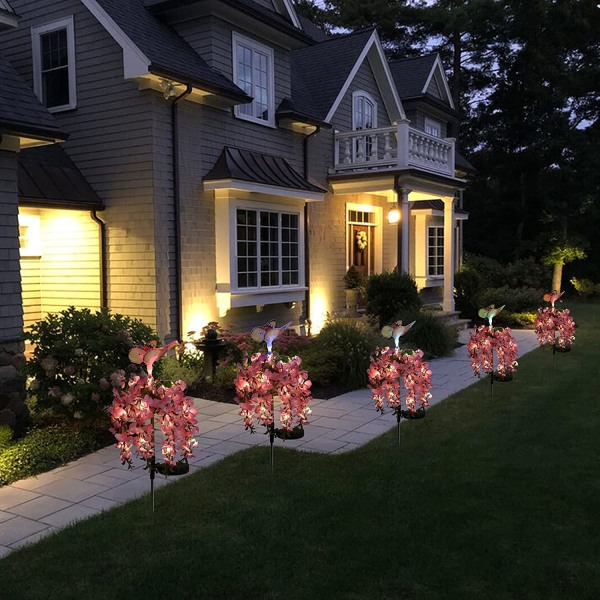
66, 399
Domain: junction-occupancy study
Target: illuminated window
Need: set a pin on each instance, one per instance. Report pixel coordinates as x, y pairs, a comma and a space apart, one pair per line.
54, 64
435, 251
253, 72
268, 248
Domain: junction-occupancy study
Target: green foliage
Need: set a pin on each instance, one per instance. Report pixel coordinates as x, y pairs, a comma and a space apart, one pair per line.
517, 320
585, 287
42, 450
6, 436
187, 367
225, 376
468, 285
352, 278
521, 299
390, 293
563, 252
491, 272
429, 333
527, 272
346, 344
78, 355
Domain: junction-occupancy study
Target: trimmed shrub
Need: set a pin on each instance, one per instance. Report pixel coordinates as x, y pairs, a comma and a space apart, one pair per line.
490, 270
390, 293
42, 450
517, 300
516, 320
188, 367
468, 285
526, 272
346, 344
429, 334
79, 356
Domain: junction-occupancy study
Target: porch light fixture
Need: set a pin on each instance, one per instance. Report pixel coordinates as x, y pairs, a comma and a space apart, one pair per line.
393, 216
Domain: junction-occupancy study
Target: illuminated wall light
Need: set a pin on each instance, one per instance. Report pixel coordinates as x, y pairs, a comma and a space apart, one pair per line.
393, 216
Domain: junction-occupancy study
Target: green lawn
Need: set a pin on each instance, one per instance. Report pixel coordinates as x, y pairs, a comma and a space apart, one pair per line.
489, 498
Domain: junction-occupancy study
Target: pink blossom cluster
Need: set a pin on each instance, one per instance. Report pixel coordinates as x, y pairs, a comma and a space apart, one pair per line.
482, 344
263, 377
555, 327
139, 406
390, 366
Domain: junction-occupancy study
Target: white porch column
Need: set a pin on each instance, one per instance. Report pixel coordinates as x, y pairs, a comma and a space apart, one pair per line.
448, 301
404, 223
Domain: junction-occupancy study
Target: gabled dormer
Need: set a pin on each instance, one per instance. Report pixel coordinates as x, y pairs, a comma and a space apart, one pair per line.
423, 88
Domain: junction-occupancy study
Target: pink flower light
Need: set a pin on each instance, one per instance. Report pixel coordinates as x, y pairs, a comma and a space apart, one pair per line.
389, 368
482, 344
260, 379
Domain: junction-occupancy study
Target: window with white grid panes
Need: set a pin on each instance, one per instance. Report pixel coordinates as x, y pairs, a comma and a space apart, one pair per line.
435, 251
54, 64
253, 72
268, 250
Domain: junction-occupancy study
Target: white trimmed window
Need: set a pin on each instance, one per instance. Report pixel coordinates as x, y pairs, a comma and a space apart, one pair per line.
433, 127
253, 72
435, 251
54, 64
267, 249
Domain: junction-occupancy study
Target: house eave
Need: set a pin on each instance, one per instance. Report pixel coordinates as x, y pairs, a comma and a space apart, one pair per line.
240, 185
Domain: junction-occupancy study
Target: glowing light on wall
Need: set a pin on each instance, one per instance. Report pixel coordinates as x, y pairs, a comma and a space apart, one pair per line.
318, 309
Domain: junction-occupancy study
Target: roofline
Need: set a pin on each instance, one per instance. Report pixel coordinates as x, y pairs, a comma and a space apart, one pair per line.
18, 128
302, 117
373, 39
245, 185
180, 77
61, 203
438, 64
429, 99
290, 29
137, 64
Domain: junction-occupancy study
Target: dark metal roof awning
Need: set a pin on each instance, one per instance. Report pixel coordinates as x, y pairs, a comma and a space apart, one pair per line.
48, 177
435, 205
235, 166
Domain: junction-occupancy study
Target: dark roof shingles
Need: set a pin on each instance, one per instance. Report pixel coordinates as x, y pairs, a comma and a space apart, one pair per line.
48, 176
166, 50
410, 74
245, 165
20, 110
320, 71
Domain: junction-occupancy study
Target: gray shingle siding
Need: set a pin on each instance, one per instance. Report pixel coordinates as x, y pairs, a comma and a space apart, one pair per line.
11, 306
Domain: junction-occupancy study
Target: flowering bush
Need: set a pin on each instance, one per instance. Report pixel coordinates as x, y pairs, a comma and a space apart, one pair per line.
79, 356
482, 344
142, 403
263, 377
555, 327
388, 367
242, 344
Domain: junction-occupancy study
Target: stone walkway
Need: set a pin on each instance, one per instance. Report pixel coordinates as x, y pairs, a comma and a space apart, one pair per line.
34, 507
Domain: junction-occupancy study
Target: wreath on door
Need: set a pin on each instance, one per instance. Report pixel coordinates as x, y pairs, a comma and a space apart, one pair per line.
361, 240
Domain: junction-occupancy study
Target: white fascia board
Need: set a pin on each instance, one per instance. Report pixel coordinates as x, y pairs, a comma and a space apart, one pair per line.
135, 62
292, 13
261, 188
373, 40
437, 66
387, 87
8, 19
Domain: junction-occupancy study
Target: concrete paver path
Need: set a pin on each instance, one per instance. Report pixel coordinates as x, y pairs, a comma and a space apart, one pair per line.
34, 507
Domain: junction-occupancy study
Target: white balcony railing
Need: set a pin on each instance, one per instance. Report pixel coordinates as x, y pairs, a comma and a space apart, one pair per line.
396, 146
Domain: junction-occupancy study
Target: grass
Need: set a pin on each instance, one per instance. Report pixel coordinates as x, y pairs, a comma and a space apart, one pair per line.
488, 498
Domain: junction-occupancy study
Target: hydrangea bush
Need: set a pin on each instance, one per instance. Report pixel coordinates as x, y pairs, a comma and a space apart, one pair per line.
79, 356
